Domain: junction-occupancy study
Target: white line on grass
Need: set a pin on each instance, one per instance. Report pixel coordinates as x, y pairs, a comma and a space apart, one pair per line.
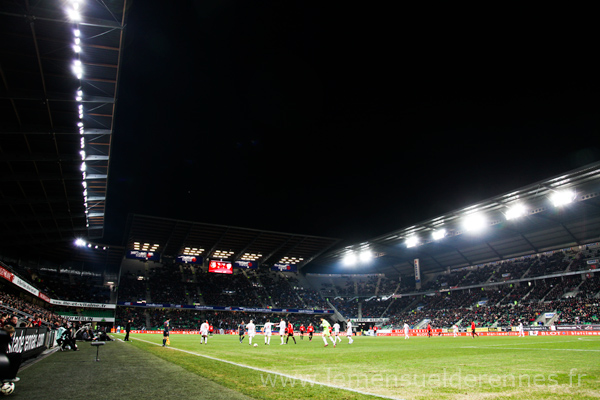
310, 381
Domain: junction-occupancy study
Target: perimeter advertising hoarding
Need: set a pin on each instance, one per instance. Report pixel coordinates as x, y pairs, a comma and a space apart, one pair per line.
220, 267
224, 308
189, 259
29, 342
246, 264
284, 268
143, 255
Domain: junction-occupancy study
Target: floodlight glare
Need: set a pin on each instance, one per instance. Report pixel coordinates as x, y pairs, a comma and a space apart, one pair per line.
474, 222
80, 242
77, 68
349, 259
412, 241
74, 15
516, 211
365, 256
562, 197
438, 234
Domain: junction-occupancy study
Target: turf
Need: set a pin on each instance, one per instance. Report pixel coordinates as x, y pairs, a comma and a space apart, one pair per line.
419, 368
123, 371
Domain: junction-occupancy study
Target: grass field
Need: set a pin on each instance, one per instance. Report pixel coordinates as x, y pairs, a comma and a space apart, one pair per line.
391, 367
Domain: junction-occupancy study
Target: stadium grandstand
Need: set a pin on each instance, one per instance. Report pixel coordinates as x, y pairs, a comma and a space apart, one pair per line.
529, 255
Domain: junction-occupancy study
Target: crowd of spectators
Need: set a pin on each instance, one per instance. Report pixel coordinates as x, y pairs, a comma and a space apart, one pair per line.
527, 267
27, 313
367, 296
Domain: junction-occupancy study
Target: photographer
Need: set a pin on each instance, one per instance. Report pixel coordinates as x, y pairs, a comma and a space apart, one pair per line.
68, 339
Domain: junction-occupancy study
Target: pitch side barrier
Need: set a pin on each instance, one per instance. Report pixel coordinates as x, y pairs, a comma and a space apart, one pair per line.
226, 332
31, 342
223, 308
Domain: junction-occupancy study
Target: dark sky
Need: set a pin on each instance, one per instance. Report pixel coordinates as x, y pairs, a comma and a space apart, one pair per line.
339, 120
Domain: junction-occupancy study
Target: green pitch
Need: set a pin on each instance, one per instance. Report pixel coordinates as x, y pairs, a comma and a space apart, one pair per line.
391, 367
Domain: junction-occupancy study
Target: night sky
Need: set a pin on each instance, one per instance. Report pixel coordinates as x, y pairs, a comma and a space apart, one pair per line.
343, 121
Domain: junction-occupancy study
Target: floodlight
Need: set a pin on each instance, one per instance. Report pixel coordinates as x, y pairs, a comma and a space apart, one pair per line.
80, 242
412, 241
349, 259
77, 68
516, 211
562, 197
438, 234
474, 222
74, 15
365, 256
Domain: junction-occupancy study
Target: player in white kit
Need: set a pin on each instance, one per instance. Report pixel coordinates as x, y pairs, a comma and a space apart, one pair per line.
204, 333
455, 330
268, 331
251, 331
282, 328
349, 331
406, 331
521, 329
336, 332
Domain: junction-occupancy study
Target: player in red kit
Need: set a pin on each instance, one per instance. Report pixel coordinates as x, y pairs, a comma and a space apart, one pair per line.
429, 331
473, 333
301, 329
310, 330
210, 329
290, 333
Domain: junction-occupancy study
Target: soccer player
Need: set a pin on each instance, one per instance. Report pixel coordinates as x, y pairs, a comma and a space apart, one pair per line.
290, 333
204, 332
521, 329
251, 331
473, 333
406, 331
429, 330
268, 331
310, 330
241, 330
326, 332
455, 330
349, 331
336, 332
166, 331
301, 329
282, 329
210, 329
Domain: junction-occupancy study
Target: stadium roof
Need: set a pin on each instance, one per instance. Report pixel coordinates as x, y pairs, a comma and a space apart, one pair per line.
541, 227
59, 70
47, 201
172, 238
